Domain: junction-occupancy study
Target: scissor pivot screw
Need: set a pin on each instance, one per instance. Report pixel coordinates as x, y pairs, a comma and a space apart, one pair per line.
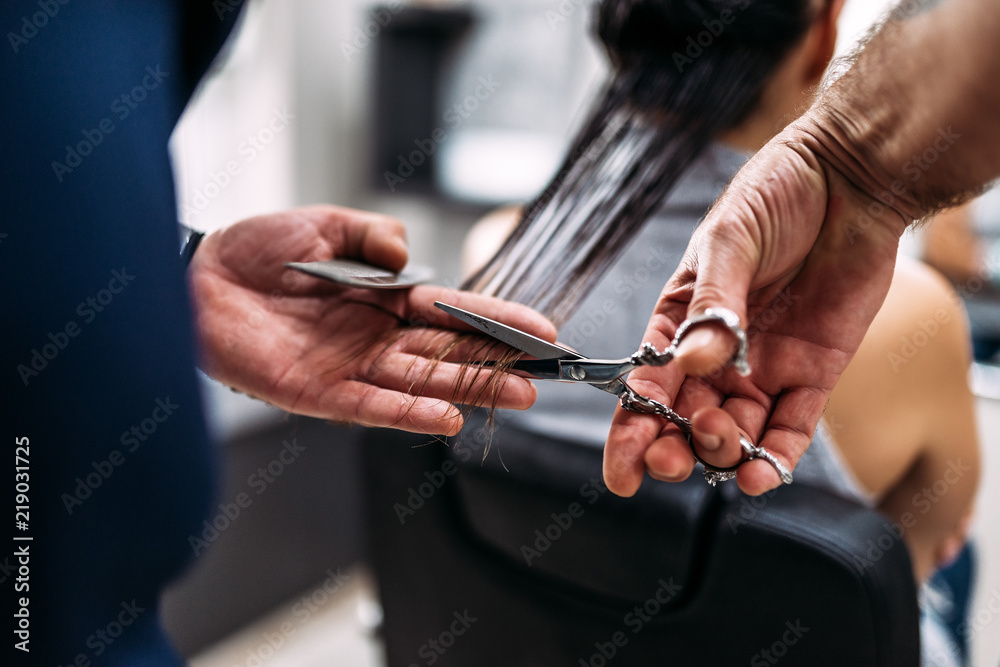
577, 373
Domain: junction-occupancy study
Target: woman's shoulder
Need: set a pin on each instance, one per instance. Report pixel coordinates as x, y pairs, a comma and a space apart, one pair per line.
917, 346
922, 323
909, 376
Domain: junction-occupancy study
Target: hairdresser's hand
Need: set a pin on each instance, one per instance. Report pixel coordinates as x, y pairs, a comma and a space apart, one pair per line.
338, 353
787, 250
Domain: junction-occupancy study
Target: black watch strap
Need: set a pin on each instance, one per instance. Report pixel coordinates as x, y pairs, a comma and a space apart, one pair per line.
190, 238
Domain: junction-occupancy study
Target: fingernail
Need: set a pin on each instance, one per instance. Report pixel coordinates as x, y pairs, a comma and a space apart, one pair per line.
400, 243
708, 441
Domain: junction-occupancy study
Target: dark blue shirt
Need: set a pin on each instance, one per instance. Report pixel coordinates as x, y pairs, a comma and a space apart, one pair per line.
98, 343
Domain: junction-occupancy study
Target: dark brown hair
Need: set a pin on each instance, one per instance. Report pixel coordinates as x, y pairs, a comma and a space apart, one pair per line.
683, 72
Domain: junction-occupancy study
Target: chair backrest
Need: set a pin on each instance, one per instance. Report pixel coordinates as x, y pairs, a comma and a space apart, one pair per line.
556, 570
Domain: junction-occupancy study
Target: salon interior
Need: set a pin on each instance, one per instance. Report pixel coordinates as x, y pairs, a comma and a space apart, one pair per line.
357, 549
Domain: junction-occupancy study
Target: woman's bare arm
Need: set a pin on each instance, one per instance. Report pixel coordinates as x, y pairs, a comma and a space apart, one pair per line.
903, 413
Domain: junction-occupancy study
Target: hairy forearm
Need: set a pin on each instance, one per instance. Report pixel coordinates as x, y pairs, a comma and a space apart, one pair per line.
915, 118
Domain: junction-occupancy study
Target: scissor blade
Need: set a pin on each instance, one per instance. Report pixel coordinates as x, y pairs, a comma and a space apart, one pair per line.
556, 369
516, 338
532, 369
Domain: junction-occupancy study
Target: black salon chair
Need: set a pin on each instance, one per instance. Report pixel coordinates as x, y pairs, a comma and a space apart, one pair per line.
537, 564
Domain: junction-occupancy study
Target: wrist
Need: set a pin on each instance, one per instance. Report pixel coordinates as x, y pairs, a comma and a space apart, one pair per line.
859, 152
858, 196
916, 132
902, 165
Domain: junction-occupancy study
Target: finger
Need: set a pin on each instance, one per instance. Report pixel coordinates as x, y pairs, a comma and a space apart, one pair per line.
455, 383
624, 454
716, 437
706, 350
788, 434
372, 237
422, 311
453, 345
669, 458
758, 476
632, 434
367, 405
725, 267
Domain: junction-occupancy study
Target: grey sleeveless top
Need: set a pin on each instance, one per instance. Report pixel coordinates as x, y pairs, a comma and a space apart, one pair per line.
611, 320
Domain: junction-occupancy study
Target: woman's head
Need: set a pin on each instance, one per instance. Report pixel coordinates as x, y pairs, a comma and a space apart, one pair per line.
686, 73
752, 53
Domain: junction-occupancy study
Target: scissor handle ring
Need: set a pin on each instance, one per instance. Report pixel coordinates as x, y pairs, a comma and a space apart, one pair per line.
732, 321
715, 474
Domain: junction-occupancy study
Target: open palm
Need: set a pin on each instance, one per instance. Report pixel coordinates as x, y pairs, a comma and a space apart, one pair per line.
793, 248
335, 352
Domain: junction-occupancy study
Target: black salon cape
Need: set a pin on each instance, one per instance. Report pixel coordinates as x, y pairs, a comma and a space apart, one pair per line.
97, 325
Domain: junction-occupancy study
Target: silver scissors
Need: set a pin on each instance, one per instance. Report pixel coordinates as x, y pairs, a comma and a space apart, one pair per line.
554, 362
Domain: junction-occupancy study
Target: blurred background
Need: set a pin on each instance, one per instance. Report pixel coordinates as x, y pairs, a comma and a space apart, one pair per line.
433, 112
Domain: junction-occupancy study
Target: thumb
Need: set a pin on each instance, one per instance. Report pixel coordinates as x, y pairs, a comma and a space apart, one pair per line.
705, 350
722, 280
377, 239
384, 243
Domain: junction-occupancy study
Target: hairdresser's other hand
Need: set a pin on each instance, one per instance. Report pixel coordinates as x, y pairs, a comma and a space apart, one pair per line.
787, 250
338, 353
